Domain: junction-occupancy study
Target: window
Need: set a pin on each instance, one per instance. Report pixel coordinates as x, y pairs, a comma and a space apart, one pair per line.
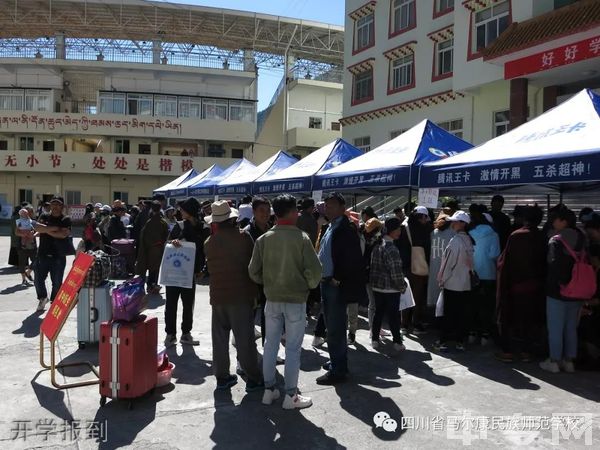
48, 146
315, 122
443, 6
403, 15
214, 109
122, 146
112, 103
363, 143
3, 145
190, 107
490, 23
237, 153
123, 196
37, 100
165, 105
144, 149
139, 104
453, 126
25, 196
11, 99
26, 143
365, 32
501, 122
335, 126
73, 197
444, 57
240, 110
402, 73
394, 134
84, 107
216, 150
363, 86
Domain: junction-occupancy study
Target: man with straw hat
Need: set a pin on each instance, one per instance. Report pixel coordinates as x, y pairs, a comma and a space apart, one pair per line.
232, 297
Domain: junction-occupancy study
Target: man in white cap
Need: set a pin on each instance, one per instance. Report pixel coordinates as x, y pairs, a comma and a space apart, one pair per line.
232, 296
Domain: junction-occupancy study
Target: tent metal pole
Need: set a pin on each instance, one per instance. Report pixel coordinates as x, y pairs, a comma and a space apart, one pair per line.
560, 195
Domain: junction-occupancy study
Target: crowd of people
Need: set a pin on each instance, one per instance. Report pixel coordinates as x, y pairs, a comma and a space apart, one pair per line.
470, 277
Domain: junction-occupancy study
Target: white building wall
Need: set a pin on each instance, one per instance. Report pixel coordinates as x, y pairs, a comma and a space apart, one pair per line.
482, 83
306, 99
314, 99
379, 129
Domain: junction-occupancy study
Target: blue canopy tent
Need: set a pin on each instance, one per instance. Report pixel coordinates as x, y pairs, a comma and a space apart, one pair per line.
299, 177
181, 190
559, 147
207, 186
176, 182
241, 184
394, 164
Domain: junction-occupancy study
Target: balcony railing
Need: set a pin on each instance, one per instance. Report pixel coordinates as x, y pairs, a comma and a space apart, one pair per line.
123, 51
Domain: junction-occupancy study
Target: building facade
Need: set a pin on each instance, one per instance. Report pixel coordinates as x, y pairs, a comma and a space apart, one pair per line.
113, 101
314, 110
100, 130
475, 67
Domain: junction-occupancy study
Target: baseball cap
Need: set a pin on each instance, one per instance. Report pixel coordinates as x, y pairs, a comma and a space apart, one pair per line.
57, 199
460, 216
98, 205
421, 210
106, 208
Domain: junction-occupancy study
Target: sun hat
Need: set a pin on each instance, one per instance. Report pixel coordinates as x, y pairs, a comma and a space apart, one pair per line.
221, 211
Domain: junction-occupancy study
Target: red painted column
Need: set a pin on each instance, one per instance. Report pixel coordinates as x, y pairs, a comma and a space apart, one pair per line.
550, 95
518, 102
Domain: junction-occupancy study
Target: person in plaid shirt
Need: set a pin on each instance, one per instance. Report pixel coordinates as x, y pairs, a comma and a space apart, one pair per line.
388, 283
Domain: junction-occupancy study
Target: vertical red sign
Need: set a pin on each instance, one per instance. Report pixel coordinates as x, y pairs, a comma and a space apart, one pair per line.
63, 303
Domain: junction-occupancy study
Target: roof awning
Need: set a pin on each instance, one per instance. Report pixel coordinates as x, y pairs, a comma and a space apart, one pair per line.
401, 51
477, 5
569, 20
364, 10
362, 66
442, 35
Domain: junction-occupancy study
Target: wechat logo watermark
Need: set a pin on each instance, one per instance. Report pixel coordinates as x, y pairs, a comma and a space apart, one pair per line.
383, 420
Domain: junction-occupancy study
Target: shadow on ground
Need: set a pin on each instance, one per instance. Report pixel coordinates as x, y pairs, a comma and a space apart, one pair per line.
16, 288
30, 327
259, 426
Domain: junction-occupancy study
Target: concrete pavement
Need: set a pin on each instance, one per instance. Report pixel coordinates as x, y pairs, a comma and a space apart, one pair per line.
443, 401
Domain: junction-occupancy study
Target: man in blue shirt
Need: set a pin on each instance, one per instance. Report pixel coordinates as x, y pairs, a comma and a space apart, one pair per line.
344, 277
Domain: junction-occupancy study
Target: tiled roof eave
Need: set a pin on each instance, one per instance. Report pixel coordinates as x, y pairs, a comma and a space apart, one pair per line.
411, 105
569, 20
